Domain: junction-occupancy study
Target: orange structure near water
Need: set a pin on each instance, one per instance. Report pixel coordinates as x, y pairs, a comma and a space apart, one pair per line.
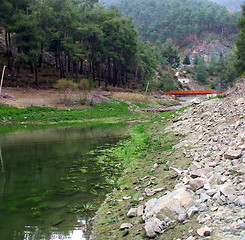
193, 92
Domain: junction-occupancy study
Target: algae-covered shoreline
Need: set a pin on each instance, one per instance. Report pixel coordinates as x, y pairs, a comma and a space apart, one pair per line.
147, 157
200, 154
148, 145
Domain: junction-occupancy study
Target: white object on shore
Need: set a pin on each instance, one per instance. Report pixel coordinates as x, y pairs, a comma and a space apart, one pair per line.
2, 79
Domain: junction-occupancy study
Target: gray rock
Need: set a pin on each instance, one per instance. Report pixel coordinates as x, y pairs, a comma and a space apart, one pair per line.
175, 171
153, 226
151, 192
204, 231
132, 212
140, 211
201, 172
227, 190
170, 205
126, 197
204, 197
240, 224
191, 238
198, 183
191, 211
240, 200
204, 217
211, 192
196, 101
233, 154
184, 143
126, 226
182, 217
240, 101
207, 186
6, 95
226, 229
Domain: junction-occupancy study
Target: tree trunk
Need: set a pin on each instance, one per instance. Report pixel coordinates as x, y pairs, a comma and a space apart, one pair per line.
98, 75
17, 77
40, 60
136, 77
114, 73
109, 71
31, 67
81, 67
36, 74
8, 47
76, 67
66, 65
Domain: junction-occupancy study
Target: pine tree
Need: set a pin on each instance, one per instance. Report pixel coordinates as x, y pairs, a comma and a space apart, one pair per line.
201, 70
240, 44
187, 60
170, 53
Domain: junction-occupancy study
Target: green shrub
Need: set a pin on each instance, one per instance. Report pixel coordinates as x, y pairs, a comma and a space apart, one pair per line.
66, 86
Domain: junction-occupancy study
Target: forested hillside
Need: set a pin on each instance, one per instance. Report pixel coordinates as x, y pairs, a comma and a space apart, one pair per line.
89, 44
231, 4
183, 21
78, 38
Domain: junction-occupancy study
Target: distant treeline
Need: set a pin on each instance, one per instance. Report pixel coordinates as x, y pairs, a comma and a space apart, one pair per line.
230, 4
181, 20
78, 37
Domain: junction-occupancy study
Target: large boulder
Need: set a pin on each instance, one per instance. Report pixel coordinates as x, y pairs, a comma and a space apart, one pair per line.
171, 205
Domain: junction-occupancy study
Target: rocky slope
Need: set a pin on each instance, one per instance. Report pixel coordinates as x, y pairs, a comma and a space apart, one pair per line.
189, 185
213, 187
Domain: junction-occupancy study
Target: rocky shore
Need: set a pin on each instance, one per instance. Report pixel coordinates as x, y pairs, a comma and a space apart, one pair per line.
213, 187
203, 201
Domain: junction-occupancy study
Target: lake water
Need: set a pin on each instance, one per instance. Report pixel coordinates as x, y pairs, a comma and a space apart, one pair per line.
50, 186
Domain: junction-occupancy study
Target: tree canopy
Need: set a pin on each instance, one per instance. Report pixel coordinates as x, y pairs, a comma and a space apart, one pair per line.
240, 44
231, 4
77, 37
181, 20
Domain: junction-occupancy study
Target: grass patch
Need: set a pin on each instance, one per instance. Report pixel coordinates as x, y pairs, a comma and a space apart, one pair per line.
134, 97
44, 114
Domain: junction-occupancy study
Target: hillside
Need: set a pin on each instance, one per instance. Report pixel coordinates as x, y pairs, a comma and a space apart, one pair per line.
73, 40
183, 21
230, 4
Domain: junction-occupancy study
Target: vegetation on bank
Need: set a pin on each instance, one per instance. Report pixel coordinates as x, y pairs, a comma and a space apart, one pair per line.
116, 109
148, 145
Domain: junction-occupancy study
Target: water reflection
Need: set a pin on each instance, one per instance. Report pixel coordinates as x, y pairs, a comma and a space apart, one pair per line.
46, 179
79, 233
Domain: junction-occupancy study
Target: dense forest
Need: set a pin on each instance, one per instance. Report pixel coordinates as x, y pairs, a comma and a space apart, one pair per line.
180, 20
230, 4
98, 46
240, 45
79, 38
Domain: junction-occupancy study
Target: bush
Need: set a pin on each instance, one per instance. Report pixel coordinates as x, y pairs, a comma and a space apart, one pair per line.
84, 87
65, 84
66, 87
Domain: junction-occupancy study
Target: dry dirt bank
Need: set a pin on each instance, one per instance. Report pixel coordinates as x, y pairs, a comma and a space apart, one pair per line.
26, 97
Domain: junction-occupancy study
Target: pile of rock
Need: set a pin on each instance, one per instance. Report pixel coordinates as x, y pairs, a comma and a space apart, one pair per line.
214, 185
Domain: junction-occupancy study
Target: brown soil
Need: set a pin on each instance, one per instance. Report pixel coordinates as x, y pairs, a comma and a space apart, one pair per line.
26, 97
29, 97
